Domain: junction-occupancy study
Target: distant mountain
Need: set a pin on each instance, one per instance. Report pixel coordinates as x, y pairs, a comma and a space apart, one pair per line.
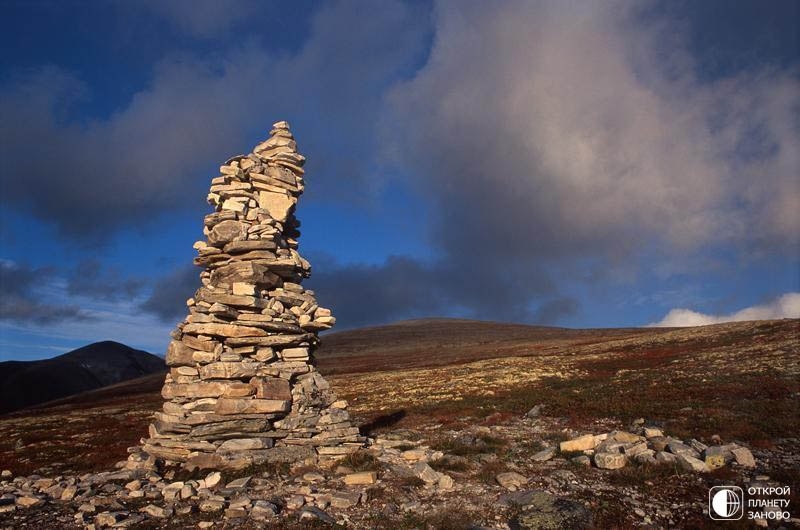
26, 383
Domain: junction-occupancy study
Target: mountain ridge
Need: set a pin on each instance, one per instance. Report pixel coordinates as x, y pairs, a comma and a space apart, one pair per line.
96, 365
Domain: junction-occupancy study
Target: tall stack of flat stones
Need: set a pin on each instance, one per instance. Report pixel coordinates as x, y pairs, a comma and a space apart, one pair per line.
242, 387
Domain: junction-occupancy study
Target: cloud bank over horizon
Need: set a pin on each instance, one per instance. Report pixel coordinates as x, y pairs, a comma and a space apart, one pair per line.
785, 306
581, 164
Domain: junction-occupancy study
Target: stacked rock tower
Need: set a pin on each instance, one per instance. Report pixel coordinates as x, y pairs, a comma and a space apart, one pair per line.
242, 388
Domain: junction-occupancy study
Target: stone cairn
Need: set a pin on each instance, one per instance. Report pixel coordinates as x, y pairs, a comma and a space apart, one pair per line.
242, 388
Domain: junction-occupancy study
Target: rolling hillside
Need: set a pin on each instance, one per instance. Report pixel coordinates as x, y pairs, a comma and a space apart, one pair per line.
26, 383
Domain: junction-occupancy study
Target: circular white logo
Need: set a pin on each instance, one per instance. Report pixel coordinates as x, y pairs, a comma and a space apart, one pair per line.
726, 502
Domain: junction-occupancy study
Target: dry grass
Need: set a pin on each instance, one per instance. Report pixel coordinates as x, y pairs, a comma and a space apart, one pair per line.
738, 380
361, 461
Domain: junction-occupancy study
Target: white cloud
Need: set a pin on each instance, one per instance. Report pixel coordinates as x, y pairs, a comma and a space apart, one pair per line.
786, 306
552, 129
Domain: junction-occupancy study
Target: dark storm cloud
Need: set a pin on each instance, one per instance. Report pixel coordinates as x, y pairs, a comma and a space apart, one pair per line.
368, 294
170, 292
154, 154
91, 278
22, 302
403, 288
579, 138
554, 310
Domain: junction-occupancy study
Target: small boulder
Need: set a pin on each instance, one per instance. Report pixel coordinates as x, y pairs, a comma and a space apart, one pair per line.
263, 510
581, 460
29, 501
239, 483
609, 460
211, 481
425, 472
295, 502
69, 493
211, 505
535, 412
663, 457
363, 477
158, 512
344, 499
658, 443
690, 463
581, 443
544, 455
106, 519
313, 477
414, 455
744, 457
624, 437
543, 511
652, 432
678, 448
511, 480
446, 482
312, 513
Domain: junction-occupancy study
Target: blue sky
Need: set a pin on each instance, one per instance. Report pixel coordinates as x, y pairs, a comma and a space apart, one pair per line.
580, 164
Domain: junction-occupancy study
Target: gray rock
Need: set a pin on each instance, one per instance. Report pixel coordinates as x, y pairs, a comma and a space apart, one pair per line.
211, 505
314, 513
663, 457
679, 448
313, 477
543, 511
535, 412
581, 443
211, 481
581, 460
295, 502
658, 443
446, 482
29, 501
610, 460
235, 513
68, 493
652, 432
697, 445
239, 483
744, 457
511, 480
647, 456
690, 463
425, 472
544, 454
263, 510
716, 457
157, 511
635, 449
344, 499
106, 519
